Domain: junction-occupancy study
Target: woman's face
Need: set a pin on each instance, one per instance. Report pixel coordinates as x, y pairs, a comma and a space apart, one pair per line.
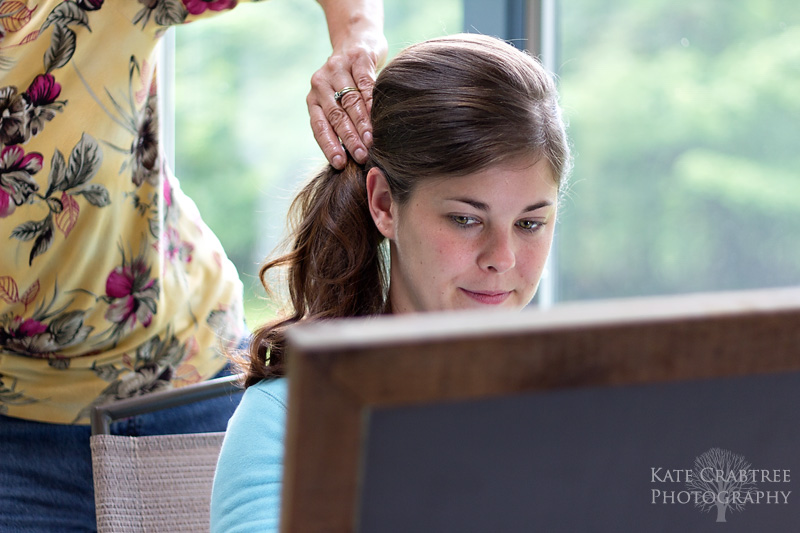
478, 241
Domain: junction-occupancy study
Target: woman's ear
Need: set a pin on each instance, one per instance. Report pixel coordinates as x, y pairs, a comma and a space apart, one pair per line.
381, 205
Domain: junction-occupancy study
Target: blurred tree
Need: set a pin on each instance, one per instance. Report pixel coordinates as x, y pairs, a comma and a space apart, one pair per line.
684, 120
243, 139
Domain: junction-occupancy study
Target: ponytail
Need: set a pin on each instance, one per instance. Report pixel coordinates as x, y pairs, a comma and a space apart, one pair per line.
446, 107
335, 266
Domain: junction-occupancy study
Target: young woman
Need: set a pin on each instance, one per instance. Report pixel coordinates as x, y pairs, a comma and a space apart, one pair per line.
469, 154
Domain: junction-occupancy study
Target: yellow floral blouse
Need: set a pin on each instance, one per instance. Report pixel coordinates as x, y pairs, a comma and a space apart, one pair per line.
111, 285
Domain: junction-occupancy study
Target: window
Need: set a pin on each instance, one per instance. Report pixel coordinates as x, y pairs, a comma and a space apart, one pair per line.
242, 136
684, 119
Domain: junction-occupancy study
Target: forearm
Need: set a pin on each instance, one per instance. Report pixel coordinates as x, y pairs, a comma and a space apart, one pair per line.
350, 20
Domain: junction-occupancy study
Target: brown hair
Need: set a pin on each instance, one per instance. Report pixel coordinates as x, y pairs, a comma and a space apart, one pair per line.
446, 107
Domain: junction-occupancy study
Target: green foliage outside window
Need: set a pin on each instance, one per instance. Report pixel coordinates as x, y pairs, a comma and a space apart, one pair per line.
243, 139
685, 119
683, 116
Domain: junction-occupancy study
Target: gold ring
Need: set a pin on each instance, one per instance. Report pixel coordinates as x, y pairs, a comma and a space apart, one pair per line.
338, 94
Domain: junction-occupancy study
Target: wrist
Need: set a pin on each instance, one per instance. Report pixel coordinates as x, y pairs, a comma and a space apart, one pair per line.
359, 28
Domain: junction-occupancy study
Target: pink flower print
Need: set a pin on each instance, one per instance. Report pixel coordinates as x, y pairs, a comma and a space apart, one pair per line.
148, 81
41, 104
89, 5
177, 248
7, 205
132, 295
29, 337
16, 177
196, 7
28, 327
167, 187
44, 89
34, 338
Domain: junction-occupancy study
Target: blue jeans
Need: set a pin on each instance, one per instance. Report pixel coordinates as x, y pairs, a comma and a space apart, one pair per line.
46, 469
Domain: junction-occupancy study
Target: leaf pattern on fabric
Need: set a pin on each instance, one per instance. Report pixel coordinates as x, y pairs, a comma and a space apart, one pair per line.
164, 12
27, 231
45, 334
84, 161
45, 210
12, 116
144, 159
62, 47
186, 373
57, 178
16, 180
63, 40
66, 14
17, 184
8, 289
95, 194
44, 239
14, 14
227, 326
29, 296
66, 219
10, 396
151, 369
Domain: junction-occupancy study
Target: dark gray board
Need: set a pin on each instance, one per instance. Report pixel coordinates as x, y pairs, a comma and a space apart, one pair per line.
577, 459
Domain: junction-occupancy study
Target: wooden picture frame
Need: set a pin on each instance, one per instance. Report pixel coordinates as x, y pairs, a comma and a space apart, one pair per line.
340, 370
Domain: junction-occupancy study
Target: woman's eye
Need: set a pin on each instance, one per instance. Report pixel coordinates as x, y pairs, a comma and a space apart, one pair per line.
529, 224
463, 220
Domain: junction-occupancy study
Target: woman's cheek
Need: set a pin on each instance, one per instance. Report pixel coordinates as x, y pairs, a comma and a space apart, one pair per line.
449, 252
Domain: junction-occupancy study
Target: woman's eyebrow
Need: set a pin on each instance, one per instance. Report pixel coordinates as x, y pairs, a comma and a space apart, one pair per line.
474, 203
539, 205
481, 206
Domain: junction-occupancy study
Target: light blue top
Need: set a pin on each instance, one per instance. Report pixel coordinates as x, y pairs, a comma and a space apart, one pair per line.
247, 483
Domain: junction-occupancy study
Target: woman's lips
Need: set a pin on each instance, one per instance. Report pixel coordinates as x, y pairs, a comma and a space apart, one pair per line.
488, 297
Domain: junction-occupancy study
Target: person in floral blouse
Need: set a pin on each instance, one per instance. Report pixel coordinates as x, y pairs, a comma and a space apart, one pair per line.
111, 285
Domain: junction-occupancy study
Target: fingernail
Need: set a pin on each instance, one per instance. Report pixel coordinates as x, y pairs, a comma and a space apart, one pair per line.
338, 161
360, 154
368, 138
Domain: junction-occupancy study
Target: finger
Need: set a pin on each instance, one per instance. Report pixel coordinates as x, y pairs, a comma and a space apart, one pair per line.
345, 129
364, 72
321, 106
356, 109
359, 109
326, 138
334, 123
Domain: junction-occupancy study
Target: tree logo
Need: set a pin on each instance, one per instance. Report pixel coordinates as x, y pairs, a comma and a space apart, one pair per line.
724, 480
720, 480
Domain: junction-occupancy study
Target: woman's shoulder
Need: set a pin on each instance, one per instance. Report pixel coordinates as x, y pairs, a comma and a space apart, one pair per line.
268, 394
258, 425
256, 430
247, 483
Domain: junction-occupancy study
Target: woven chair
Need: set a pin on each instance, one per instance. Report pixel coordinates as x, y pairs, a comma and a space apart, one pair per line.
160, 483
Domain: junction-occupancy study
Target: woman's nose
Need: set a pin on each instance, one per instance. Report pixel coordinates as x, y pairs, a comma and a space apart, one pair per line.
497, 254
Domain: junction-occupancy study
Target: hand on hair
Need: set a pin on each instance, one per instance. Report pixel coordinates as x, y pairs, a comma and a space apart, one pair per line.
359, 48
